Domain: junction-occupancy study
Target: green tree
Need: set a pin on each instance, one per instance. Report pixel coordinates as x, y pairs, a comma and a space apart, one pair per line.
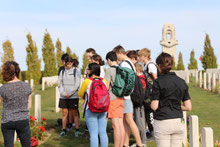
32, 60
48, 56
180, 65
59, 53
209, 59
85, 63
193, 61
8, 54
69, 52
174, 65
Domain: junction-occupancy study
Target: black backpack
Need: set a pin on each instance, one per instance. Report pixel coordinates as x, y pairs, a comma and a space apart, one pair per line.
138, 94
149, 80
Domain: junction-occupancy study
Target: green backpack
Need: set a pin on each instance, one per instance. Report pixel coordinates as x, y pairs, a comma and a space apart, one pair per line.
124, 81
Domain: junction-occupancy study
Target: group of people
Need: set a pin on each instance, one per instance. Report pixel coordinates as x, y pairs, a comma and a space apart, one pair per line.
159, 110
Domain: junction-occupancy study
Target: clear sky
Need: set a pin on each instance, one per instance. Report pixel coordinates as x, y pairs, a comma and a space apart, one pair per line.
103, 24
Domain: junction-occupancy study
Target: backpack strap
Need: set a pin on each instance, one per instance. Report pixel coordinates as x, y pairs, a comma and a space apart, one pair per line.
130, 64
84, 96
74, 72
148, 69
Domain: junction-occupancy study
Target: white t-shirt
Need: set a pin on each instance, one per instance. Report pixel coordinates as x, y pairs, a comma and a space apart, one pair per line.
127, 65
151, 68
102, 72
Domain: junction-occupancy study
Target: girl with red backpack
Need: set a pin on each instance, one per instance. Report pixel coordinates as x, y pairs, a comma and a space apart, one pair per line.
96, 105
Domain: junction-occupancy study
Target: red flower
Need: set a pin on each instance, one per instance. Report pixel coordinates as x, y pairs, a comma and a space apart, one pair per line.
200, 58
32, 118
42, 128
44, 119
34, 141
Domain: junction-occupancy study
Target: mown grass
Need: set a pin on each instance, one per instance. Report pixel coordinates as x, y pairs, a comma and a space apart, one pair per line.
205, 105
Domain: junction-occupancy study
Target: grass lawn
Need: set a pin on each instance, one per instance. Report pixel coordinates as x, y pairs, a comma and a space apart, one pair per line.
205, 105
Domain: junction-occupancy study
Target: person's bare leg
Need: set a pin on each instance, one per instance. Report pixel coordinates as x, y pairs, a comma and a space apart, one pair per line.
64, 118
117, 125
122, 130
70, 116
133, 127
127, 133
76, 118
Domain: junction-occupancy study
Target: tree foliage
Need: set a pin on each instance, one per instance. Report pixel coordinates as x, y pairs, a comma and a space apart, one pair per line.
69, 52
8, 50
180, 65
85, 63
32, 60
193, 61
49, 56
209, 60
59, 53
174, 65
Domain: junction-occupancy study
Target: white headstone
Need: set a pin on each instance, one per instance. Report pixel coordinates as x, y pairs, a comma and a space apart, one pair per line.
26, 81
204, 81
57, 99
196, 77
209, 82
32, 84
213, 82
185, 129
15, 137
187, 77
219, 83
43, 84
38, 107
194, 131
207, 137
200, 79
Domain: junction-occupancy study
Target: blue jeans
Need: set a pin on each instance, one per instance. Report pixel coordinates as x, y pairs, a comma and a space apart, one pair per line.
23, 131
97, 124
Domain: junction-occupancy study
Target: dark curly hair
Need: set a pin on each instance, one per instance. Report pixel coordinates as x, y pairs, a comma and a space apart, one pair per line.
10, 70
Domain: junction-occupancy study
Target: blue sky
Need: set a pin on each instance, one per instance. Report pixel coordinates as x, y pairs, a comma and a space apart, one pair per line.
103, 24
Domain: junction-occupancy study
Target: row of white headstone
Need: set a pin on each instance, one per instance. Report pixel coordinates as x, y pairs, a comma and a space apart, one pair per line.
31, 83
207, 133
207, 81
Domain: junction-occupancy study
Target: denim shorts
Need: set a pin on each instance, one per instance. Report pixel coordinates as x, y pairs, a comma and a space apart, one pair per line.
128, 106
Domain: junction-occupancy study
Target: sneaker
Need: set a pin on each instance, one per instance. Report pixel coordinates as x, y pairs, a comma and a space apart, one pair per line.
86, 134
77, 133
135, 145
63, 133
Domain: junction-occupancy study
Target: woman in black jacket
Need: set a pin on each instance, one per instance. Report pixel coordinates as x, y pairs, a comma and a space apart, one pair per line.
169, 97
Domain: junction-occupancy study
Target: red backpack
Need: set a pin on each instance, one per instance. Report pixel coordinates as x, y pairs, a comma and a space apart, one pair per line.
99, 99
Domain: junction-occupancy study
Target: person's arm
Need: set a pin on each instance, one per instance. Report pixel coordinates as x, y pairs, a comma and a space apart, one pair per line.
152, 69
155, 96
76, 84
154, 75
84, 87
186, 106
60, 85
29, 102
154, 105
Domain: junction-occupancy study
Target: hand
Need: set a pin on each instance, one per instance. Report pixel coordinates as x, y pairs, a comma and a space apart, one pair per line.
67, 95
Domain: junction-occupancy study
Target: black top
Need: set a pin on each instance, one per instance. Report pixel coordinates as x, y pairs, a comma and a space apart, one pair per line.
170, 90
60, 69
